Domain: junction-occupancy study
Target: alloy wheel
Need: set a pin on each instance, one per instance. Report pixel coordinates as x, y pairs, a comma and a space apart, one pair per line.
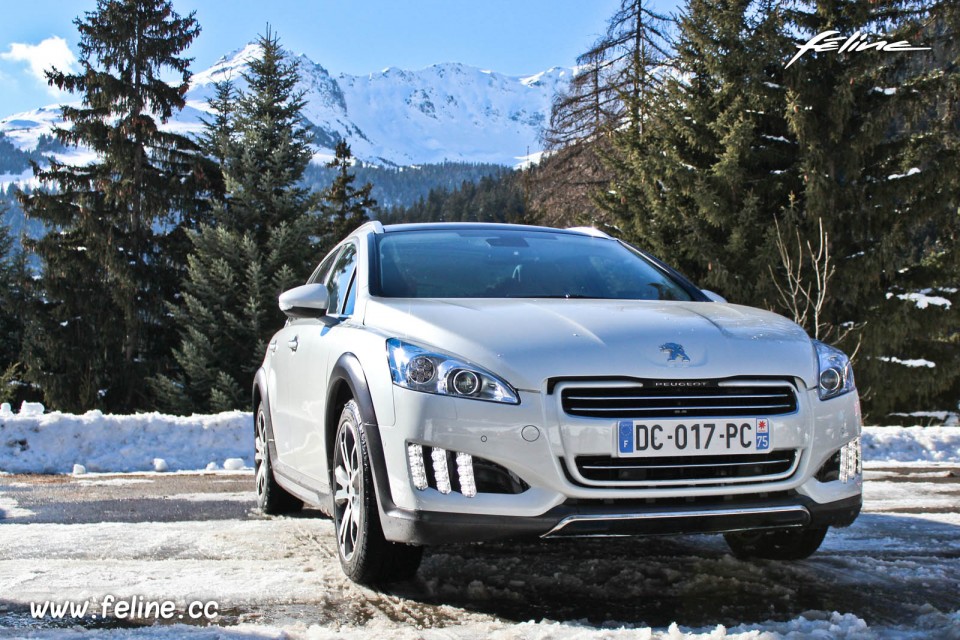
260, 454
348, 498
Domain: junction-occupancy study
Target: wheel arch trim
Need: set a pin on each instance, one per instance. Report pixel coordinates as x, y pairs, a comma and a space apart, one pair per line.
259, 394
349, 372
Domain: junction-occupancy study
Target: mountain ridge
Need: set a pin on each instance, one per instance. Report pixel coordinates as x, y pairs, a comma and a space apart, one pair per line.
445, 112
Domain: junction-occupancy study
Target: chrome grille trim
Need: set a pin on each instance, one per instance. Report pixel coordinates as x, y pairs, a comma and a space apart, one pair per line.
644, 400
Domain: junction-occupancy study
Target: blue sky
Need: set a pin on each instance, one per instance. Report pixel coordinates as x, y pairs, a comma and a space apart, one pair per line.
353, 36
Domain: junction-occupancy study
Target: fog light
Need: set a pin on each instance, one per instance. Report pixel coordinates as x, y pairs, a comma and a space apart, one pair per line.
440, 472
418, 472
468, 486
851, 461
421, 370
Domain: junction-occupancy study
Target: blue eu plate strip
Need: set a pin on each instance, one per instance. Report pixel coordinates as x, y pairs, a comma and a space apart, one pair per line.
625, 436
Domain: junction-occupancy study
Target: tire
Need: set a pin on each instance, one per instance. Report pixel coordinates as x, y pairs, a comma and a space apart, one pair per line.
365, 555
776, 544
272, 499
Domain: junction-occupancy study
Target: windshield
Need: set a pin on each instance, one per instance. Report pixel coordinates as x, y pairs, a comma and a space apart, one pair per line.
499, 263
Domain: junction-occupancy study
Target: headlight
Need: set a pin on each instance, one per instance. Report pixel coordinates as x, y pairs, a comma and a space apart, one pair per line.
835, 376
416, 368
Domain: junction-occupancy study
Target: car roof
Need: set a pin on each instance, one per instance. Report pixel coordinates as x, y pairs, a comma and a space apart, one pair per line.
487, 226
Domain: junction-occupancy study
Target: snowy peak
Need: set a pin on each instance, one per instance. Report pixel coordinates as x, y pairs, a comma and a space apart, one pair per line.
228, 67
553, 76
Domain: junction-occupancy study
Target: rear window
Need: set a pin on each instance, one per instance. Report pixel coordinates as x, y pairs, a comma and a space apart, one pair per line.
499, 263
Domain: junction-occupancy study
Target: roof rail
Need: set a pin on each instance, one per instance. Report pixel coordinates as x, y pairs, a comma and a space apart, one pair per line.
590, 231
374, 226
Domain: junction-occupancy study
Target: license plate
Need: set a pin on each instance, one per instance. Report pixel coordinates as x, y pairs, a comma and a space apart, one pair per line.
663, 438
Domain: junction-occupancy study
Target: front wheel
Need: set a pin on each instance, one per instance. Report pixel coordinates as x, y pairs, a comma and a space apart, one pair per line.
776, 544
365, 555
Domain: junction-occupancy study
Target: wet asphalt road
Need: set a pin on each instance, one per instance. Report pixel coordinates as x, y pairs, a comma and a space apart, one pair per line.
896, 562
130, 497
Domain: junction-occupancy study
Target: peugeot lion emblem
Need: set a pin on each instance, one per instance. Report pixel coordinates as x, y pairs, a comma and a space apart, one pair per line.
675, 353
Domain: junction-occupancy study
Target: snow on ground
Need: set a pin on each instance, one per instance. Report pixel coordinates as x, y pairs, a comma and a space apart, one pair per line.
36, 442
818, 626
10, 509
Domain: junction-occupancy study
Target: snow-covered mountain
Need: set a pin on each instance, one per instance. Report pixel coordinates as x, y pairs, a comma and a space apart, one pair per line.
393, 117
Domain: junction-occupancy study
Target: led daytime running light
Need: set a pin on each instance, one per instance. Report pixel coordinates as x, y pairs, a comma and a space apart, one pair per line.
418, 471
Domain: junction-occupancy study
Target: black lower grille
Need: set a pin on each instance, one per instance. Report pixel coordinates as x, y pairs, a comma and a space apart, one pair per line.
680, 399
680, 469
489, 477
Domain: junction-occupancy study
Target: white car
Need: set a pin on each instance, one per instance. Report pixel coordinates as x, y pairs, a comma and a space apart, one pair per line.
441, 383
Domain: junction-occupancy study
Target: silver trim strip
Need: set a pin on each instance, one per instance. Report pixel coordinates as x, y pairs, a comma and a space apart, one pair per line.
662, 515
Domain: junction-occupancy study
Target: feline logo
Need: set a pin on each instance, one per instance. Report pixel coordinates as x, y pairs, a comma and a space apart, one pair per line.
830, 41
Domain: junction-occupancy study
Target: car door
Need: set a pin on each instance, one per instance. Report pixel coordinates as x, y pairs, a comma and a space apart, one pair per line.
288, 362
316, 343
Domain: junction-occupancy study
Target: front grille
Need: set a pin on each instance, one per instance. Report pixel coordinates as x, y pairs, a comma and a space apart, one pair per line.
686, 469
648, 401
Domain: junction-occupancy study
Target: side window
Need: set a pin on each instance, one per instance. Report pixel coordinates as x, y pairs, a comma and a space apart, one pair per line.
320, 273
351, 296
340, 277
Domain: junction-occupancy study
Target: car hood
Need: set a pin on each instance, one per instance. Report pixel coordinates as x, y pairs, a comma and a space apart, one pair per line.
528, 341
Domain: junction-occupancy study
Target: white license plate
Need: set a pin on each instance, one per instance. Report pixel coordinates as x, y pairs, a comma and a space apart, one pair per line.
693, 437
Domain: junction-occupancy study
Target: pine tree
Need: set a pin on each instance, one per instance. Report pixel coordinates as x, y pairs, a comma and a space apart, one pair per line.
344, 206
260, 242
113, 253
265, 165
616, 82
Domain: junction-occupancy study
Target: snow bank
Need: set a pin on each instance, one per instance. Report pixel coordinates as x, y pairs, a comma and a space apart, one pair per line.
35, 442
911, 444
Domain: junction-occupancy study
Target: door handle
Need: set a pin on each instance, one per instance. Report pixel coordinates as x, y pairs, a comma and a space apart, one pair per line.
293, 344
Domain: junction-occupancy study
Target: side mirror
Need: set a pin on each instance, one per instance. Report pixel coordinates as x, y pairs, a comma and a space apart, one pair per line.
307, 301
714, 297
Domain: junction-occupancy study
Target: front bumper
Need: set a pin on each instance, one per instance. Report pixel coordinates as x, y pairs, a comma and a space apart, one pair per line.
559, 503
